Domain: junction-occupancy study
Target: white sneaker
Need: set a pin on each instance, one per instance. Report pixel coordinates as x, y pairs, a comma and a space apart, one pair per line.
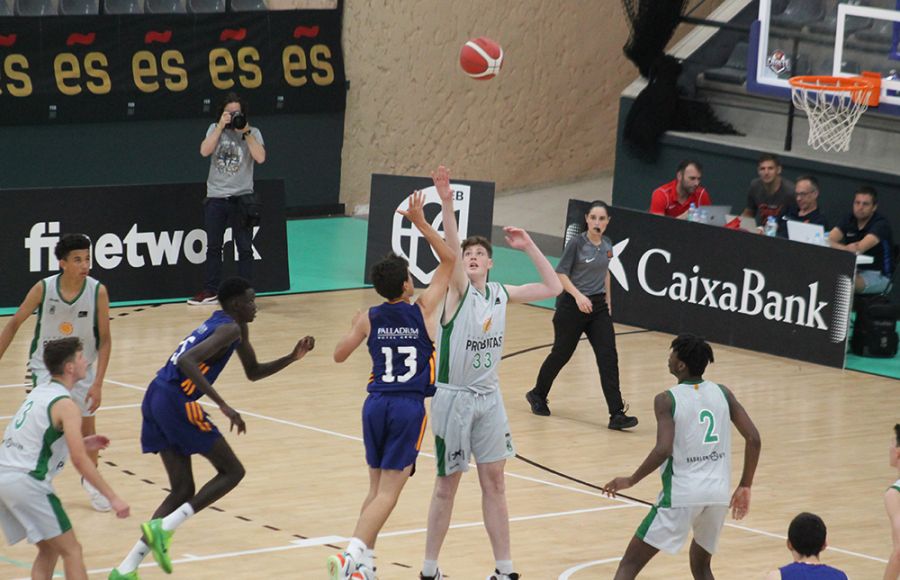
98, 500
498, 576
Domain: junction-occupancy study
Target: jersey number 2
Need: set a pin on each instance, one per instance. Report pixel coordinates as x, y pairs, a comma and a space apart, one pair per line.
410, 362
709, 419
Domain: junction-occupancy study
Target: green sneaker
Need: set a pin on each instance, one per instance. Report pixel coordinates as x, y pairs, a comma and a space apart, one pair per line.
116, 575
158, 539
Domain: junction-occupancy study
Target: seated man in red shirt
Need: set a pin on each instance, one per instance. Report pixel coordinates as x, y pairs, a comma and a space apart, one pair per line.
674, 198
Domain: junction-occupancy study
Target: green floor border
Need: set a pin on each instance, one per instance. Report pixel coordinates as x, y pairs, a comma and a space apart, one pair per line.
328, 254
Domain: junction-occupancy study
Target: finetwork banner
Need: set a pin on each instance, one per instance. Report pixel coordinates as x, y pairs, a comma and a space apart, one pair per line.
148, 241
473, 202
766, 294
150, 66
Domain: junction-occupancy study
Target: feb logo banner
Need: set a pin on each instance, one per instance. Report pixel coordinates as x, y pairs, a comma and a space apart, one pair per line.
473, 204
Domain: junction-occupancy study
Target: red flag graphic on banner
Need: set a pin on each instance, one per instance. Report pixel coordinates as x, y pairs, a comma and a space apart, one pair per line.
79, 38
233, 34
308, 31
156, 36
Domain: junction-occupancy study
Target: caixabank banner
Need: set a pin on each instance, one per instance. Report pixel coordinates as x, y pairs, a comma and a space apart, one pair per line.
148, 241
150, 66
473, 202
737, 288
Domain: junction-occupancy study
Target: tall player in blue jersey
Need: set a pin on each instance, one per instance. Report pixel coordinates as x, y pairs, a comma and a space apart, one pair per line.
176, 426
399, 336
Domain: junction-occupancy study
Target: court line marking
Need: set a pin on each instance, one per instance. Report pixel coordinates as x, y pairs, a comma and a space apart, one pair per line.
322, 540
508, 474
568, 573
359, 439
102, 408
14, 385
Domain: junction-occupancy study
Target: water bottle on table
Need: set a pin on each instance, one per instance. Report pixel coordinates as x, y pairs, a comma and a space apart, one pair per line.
771, 228
692, 213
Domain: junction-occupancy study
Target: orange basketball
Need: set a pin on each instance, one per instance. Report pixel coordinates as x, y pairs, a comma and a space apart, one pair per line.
481, 58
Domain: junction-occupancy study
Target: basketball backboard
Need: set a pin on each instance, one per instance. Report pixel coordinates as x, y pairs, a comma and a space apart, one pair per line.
825, 37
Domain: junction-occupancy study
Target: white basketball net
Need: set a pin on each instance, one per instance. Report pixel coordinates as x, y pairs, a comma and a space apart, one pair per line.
832, 112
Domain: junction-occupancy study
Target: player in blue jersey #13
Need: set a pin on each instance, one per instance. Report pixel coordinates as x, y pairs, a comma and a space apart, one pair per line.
399, 336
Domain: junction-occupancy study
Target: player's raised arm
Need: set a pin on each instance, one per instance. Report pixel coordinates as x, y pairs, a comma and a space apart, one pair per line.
740, 500
549, 285
665, 441
359, 330
28, 306
431, 298
458, 280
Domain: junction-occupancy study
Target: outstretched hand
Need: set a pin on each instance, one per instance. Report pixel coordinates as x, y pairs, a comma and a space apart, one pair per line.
441, 179
95, 442
304, 345
517, 238
740, 503
416, 211
235, 418
618, 484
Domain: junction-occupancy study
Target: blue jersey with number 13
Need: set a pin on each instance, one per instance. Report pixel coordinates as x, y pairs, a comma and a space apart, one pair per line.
401, 350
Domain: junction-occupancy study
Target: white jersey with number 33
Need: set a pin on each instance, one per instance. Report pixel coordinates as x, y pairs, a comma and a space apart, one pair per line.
699, 470
471, 343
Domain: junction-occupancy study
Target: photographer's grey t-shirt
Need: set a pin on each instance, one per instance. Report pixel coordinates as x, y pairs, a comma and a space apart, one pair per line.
231, 165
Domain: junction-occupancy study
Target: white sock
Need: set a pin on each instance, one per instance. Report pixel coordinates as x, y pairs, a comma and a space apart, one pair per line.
178, 517
504, 566
134, 557
429, 568
369, 558
356, 548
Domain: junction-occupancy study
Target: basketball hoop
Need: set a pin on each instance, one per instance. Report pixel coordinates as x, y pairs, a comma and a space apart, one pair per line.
833, 105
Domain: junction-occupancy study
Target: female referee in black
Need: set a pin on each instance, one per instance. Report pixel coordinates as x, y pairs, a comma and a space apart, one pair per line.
584, 308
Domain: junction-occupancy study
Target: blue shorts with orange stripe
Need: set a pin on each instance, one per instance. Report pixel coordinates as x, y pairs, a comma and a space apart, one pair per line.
173, 421
393, 427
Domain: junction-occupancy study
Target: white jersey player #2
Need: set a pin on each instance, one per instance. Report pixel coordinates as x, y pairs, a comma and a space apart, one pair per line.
699, 471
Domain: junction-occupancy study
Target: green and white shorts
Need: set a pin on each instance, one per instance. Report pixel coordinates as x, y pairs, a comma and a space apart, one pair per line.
466, 424
29, 509
667, 529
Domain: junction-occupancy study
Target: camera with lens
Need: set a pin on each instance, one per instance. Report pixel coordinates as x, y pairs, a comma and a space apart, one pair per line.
238, 121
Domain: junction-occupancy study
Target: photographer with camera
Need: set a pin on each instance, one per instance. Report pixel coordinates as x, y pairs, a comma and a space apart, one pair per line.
234, 147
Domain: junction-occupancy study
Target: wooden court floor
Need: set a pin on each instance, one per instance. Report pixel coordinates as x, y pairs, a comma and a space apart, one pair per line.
825, 436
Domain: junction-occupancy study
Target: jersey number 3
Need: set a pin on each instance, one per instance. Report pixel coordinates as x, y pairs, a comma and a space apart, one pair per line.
410, 362
707, 418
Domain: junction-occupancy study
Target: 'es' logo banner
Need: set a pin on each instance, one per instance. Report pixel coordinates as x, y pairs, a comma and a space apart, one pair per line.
767, 294
152, 66
473, 204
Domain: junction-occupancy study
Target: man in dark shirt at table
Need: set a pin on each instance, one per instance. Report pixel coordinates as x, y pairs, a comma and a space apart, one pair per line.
806, 207
865, 231
769, 194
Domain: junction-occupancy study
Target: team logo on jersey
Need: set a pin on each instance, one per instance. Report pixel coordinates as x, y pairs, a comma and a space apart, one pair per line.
66, 328
52, 309
407, 240
486, 325
82, 314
